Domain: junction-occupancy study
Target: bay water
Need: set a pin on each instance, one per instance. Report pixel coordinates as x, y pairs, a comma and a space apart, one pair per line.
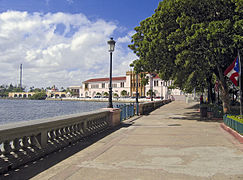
14, 110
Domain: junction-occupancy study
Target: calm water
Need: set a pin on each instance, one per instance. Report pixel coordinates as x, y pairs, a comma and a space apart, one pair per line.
25, 110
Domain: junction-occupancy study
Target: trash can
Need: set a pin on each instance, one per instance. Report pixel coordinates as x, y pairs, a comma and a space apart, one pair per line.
203, 112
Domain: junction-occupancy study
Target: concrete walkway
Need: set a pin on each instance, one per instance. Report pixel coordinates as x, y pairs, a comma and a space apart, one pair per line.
170, 143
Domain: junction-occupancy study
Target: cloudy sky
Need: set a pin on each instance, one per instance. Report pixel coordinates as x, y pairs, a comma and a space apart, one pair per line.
64, 42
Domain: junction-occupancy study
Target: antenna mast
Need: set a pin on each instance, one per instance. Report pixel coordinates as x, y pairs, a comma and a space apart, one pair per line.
21, 72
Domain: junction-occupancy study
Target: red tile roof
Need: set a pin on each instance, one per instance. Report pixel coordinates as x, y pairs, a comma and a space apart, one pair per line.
106, 79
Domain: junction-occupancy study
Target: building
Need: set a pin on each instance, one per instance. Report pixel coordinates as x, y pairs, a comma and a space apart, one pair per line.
92, 87
75, 90
126, 86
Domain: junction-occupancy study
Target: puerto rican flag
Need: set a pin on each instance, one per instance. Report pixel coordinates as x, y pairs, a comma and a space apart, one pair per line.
233, 72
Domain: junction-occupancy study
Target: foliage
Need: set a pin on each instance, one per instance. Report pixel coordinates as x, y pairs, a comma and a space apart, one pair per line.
69, 90
106, 94
4, 90
150, 92
190, 42
98, 94
124, 93
115, 95
38, 96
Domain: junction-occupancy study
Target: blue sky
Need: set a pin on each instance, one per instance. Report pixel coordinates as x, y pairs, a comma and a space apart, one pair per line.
63, 42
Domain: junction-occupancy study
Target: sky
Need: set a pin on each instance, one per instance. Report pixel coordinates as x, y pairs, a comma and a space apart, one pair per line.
64, 42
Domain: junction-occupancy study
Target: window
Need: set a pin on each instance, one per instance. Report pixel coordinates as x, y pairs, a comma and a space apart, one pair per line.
103, 85
156, 83
114, 85
94, 86
122, 84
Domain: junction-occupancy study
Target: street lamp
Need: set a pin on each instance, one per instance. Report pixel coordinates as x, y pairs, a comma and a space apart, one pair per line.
137, 93
111, 44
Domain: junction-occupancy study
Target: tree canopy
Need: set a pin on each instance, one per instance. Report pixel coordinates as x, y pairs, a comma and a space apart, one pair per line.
191, 42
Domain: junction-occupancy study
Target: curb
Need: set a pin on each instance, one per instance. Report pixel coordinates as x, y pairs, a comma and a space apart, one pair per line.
232, 132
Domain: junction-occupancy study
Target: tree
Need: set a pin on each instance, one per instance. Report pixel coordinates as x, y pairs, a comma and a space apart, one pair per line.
191, 42
123, 93
106, 94
150, 92
38, 96
115, 95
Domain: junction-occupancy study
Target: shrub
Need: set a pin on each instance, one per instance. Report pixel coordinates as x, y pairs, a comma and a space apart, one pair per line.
38, 96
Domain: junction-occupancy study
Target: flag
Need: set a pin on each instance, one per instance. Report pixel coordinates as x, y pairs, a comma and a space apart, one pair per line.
232, 71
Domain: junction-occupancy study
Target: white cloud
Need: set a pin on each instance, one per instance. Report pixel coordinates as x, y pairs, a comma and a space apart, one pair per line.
61, 49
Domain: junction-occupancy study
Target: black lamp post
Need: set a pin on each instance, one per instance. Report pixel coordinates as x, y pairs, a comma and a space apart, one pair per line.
111, 43
137, 106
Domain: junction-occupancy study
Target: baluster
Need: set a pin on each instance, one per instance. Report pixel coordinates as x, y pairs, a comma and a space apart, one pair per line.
52, 135
81, 128
16, 144
73, 131
25, 142
6, 147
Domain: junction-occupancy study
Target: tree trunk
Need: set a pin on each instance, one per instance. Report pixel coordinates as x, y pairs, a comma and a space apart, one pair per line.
224, 91
210, 92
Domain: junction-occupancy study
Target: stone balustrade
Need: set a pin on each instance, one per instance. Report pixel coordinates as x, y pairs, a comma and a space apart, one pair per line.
147, 107
30, 140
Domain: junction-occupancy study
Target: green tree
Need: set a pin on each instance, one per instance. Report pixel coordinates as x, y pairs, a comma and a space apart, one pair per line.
38, 96
115, 95
123, 93
106, 94
191, 42
150, 92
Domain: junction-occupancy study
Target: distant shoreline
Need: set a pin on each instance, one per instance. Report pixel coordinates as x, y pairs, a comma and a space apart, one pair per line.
122, 100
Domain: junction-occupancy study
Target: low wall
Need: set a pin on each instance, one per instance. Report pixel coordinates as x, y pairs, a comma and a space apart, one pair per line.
30, 140
147, 107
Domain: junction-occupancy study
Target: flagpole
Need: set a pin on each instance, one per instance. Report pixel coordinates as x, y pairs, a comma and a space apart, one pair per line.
240, 85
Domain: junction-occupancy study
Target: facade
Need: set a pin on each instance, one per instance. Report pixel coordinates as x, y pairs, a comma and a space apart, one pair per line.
75, 90
100, 86
49, 94
20, 94
92, 87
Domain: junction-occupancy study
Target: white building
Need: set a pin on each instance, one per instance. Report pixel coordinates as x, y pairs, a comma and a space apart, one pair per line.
100, 86
91, 87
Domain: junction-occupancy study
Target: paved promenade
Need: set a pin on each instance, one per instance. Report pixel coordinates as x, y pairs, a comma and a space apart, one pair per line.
170, 143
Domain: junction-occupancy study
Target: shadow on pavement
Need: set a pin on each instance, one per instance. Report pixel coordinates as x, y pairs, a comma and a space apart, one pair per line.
196, 106
195, 116
34, 168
